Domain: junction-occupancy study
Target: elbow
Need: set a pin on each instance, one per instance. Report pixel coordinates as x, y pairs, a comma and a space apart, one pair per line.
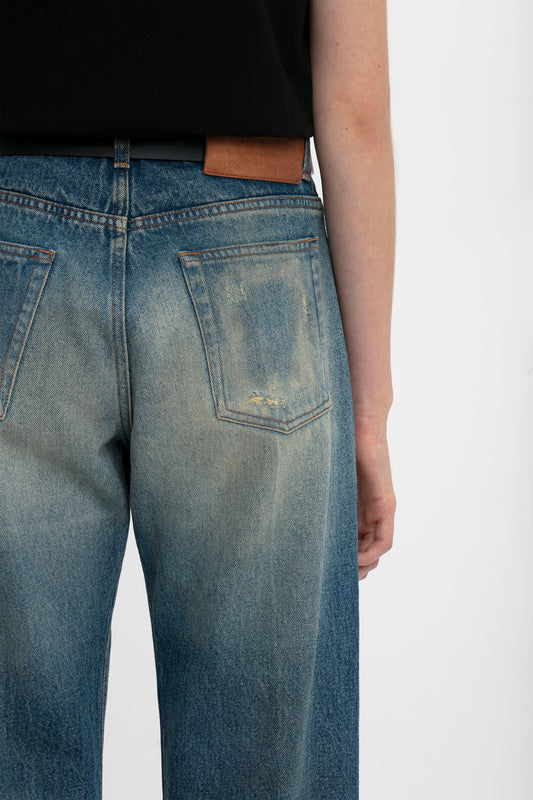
371, 120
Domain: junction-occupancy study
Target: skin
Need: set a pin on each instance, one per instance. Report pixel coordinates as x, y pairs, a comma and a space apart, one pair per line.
353, 142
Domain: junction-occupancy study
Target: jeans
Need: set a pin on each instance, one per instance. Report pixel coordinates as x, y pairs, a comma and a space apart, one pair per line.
171, 348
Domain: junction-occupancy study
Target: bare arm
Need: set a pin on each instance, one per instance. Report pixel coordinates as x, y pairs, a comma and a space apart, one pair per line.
353, 141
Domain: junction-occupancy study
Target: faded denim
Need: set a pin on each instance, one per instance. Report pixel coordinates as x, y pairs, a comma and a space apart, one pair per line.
171, 346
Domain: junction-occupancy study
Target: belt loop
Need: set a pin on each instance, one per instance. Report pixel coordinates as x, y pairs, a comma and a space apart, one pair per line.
122, 153
307, 170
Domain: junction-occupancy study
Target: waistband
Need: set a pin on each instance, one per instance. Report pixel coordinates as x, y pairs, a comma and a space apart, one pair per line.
285, 159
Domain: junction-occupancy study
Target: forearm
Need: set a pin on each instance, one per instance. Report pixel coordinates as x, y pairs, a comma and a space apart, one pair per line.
357, 170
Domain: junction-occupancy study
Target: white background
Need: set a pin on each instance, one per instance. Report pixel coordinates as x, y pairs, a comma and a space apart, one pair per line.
446, 618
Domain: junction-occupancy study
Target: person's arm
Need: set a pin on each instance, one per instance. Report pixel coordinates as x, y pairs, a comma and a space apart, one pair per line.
353, 142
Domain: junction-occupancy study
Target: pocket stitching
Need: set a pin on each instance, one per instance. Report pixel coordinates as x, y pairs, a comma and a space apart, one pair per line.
271, 423
38, 255
317, 288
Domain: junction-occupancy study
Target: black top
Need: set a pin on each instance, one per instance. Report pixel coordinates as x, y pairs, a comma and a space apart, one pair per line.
155, 68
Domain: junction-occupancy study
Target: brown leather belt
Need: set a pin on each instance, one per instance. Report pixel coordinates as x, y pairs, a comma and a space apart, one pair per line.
274, 158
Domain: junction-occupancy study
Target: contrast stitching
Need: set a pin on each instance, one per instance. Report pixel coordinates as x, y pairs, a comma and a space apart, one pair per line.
109, 221
113, 317
43, 200
123, 288
111, 224
277, 426
30, 255
14, 327
202, 332
278, 421
270, 246
44, 278
256, 200
255, 208
316, 202
123, 327
317, 289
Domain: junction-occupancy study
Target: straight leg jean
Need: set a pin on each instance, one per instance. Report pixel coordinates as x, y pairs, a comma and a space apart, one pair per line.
172, 352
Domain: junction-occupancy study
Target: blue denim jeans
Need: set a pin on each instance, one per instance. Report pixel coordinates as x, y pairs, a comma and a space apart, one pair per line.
171, 348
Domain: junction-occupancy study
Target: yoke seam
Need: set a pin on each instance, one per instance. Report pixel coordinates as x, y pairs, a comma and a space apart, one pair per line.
109, 221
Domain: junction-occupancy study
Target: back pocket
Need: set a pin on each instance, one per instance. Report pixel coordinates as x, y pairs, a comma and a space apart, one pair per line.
23, 273
260, 314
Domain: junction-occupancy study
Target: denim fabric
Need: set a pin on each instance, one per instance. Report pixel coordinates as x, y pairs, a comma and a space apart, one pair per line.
171, 346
